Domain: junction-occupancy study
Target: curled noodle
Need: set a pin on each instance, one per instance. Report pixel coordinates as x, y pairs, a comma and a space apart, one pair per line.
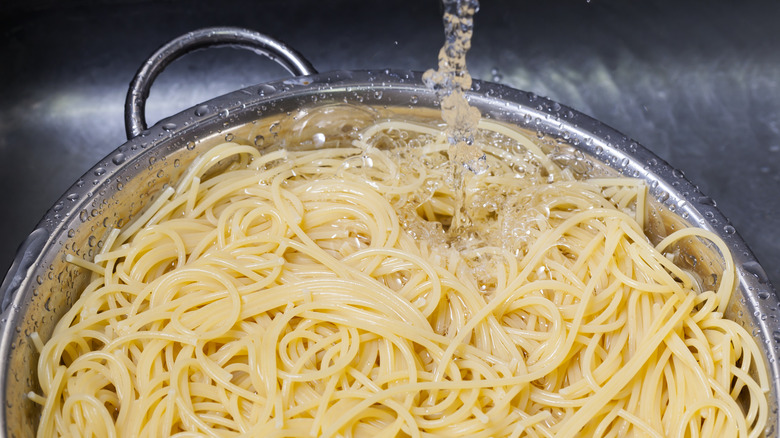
328, 293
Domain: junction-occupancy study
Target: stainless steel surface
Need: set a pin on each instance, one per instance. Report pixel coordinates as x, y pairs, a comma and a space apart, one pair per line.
117, 188
699, 84
277, 51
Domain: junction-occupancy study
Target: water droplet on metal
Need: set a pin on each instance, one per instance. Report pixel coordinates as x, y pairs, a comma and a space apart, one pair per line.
72, 197
728, 229
706, 200
169, 126
259, 141
496, 74
202, 110
190, 145
752, 267
118, 158
264, 89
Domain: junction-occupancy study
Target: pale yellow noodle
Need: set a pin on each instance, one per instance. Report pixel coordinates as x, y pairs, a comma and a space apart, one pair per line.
319, 294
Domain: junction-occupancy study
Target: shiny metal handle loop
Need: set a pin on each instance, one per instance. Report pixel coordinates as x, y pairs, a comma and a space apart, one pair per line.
135, 104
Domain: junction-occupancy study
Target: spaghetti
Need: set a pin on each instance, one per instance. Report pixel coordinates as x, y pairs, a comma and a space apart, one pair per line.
344, 291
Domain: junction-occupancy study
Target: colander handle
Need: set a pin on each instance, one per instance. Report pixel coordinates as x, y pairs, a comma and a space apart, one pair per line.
135, 104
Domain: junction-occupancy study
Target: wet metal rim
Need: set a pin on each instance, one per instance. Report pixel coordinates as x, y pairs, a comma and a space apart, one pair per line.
391, 88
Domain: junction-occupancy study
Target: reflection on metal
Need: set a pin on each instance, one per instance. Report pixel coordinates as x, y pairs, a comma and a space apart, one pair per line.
135, 117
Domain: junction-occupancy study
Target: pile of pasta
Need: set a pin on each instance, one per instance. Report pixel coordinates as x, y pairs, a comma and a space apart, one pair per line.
351, 291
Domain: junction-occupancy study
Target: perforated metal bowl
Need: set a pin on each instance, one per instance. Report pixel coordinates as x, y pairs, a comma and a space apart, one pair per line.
41, 285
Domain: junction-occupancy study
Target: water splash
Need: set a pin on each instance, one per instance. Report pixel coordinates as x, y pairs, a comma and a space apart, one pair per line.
452, 78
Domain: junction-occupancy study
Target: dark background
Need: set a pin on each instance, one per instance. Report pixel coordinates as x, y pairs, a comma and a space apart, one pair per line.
697, 82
